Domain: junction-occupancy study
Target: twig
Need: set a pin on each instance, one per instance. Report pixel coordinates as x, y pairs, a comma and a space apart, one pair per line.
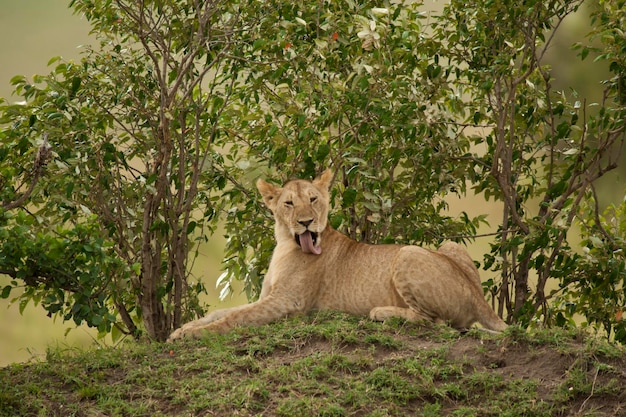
596, 213
593, 387
515, 229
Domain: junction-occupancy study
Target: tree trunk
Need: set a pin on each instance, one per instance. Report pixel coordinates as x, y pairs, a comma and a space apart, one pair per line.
152, 312
154, 315
521, 284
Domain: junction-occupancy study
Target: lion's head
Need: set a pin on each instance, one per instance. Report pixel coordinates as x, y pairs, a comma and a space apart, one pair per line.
300, 209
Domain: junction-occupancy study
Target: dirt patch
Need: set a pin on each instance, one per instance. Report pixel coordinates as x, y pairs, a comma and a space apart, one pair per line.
513, 361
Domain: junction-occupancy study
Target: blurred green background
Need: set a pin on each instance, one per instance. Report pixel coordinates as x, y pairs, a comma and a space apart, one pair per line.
33, 31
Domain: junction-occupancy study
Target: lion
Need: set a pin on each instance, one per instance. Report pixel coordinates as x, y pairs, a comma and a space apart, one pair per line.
315, 267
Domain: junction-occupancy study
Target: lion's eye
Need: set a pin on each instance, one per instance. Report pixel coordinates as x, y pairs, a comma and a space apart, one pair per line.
313, 199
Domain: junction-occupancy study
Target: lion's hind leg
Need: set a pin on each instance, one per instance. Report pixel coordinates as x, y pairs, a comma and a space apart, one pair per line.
413, 269
408, 314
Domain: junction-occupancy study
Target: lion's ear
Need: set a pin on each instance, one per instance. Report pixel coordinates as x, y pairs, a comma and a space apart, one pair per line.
269, 192
324, 180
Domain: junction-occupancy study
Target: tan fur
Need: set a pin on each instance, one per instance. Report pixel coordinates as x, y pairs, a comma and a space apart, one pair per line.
380, 280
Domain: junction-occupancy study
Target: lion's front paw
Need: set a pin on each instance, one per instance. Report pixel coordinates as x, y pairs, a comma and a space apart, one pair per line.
185, 332
181, 333
176, 334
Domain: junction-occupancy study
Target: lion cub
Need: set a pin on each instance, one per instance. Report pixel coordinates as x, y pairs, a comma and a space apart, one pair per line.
314, 267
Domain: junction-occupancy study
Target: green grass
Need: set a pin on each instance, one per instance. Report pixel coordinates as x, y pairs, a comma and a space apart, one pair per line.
328, 365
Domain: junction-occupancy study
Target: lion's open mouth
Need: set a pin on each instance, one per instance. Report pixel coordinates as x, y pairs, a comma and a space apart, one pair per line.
308, 241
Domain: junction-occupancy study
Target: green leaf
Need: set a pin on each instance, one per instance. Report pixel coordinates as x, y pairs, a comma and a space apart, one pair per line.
55, 115
53, 60
348, 197
18, 79
191, 227
584, 53
76, 81
6, 291
68, 189
322, 152
116, 334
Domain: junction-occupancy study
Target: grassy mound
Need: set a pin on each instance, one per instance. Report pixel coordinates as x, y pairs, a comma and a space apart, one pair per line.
329, 365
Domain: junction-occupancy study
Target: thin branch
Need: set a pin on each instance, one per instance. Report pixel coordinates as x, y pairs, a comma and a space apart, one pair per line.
593, 388
41, 160
596, 213
513, 230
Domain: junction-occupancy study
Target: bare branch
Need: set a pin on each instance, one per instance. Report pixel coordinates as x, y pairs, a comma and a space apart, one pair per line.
41, 160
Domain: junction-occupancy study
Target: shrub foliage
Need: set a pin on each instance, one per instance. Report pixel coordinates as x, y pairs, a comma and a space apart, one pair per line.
115, 168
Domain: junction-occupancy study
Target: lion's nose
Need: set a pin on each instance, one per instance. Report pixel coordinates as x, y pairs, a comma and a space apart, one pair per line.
305, 223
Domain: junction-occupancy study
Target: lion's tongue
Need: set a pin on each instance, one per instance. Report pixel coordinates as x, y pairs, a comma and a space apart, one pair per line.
306, 242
